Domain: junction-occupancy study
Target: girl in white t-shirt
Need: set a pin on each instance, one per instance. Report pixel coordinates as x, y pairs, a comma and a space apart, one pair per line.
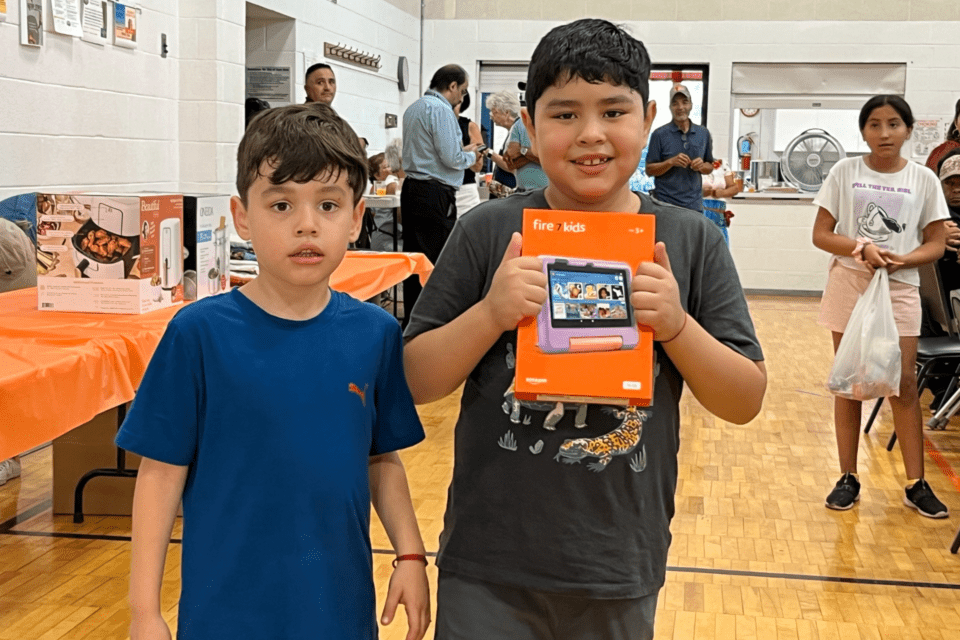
881, 211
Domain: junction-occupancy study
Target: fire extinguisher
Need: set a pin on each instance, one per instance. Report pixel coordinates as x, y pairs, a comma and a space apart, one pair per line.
745, 150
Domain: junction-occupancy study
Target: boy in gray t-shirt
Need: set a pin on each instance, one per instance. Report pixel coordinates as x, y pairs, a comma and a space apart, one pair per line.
545, 533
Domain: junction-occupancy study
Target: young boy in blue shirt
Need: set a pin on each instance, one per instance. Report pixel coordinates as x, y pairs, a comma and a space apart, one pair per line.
276, 411
536, 544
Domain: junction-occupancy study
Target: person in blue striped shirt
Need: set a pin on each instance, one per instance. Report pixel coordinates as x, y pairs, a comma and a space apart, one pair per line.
434, 159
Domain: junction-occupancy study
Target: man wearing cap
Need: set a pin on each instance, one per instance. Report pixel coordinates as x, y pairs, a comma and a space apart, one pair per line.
679, 155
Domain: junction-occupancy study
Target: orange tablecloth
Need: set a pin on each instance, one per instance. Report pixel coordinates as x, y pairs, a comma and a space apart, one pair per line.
59, 370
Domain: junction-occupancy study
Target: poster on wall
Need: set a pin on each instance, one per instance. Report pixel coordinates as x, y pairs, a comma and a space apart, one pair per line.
31, 23
926, 137
66, 17
96, 19
3, 10
125, 25
269, 83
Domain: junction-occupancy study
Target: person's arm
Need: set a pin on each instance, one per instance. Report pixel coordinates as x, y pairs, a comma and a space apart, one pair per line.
730, 189
514, 157
447, 137
728, 384
518, 290
934, 244
656, 169
156, 498
390, 495
701, 166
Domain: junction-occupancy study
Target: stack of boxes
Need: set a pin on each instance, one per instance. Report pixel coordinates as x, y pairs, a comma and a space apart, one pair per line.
130, 253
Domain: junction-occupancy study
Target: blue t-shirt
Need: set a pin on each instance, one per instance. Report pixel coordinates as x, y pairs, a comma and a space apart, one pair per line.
679, 185
276, 420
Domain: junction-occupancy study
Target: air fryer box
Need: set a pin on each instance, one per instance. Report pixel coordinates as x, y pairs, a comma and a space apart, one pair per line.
207, 242
585, 345
101, 253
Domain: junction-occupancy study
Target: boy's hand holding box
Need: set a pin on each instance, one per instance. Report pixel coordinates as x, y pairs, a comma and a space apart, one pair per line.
585, 344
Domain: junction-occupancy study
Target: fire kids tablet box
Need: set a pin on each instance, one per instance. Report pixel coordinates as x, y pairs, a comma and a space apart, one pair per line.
109, 253
585, 345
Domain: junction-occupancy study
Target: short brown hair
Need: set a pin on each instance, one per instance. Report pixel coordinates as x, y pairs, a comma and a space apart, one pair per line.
373, 165
300, 142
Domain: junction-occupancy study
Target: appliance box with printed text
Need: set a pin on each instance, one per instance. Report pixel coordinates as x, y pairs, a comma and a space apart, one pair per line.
207, 241
585, 345
99, 253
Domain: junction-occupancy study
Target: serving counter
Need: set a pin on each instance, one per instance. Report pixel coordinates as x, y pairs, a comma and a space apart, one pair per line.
771, 240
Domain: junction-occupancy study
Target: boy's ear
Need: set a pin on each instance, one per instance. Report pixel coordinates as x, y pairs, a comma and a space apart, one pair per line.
648, 119
357, 219
528, 123
239, 213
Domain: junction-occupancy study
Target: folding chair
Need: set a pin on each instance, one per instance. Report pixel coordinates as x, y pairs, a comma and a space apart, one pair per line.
936, 356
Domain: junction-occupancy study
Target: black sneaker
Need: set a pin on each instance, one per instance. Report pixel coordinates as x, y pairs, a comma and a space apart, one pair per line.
845, 494
920, 497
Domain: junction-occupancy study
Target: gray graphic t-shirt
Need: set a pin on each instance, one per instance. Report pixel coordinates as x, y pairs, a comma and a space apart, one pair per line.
571, 498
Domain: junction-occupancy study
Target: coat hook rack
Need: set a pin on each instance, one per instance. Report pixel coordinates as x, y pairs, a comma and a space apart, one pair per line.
351, 55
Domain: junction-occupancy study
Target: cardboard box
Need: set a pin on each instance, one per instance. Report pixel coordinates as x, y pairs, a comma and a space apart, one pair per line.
585, 346
109, 253
207, 242
88, 447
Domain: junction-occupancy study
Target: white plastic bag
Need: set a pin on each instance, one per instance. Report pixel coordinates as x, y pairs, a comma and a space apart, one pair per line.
867, 364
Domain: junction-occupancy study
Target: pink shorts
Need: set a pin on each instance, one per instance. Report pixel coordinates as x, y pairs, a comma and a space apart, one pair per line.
844, 286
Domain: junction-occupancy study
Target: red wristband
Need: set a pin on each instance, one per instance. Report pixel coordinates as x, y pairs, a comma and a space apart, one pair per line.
682, 327
410, 556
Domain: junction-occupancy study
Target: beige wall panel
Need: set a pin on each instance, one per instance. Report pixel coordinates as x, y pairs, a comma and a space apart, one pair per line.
793, 10
613, 10
649, 10
526, 10
743, 10
841, 10
693, 10
477, 11
935, 10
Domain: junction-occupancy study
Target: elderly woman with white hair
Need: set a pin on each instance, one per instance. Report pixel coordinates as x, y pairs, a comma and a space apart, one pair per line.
504, 109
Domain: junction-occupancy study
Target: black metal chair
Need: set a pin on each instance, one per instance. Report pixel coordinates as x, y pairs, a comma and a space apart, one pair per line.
936, 356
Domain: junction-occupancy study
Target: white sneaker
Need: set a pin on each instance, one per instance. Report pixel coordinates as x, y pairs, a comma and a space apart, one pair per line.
9, 469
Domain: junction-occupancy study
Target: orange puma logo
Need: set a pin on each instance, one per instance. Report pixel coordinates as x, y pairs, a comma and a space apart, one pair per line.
352, 388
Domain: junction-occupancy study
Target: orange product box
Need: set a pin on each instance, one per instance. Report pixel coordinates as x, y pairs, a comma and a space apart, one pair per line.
585, 345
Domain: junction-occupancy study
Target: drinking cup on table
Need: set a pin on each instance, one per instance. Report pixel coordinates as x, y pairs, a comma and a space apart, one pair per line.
380, 188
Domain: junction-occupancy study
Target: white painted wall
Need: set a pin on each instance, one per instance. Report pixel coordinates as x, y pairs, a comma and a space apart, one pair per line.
80, 116
77, 115
929, 50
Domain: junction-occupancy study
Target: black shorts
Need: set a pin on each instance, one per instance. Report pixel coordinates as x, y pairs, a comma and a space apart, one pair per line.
469, 609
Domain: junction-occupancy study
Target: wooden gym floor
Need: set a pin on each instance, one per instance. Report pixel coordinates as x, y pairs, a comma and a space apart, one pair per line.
755, 554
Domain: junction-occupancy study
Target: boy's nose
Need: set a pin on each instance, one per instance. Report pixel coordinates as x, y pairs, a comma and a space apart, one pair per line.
591, 132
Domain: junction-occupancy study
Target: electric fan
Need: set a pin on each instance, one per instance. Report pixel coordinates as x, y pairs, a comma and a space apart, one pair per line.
808, 158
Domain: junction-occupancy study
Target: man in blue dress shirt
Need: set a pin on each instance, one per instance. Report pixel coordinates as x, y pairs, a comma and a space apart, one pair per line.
679, 155
433, 159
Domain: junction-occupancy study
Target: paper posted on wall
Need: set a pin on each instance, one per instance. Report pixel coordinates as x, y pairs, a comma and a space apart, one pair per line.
66, 17
96, 19
125, 25
3, 10
31, 23
927, 135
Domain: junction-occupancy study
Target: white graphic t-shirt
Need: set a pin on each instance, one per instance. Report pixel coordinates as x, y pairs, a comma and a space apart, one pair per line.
890, 209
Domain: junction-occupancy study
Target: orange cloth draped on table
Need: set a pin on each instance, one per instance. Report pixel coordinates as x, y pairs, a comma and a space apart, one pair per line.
59, 370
